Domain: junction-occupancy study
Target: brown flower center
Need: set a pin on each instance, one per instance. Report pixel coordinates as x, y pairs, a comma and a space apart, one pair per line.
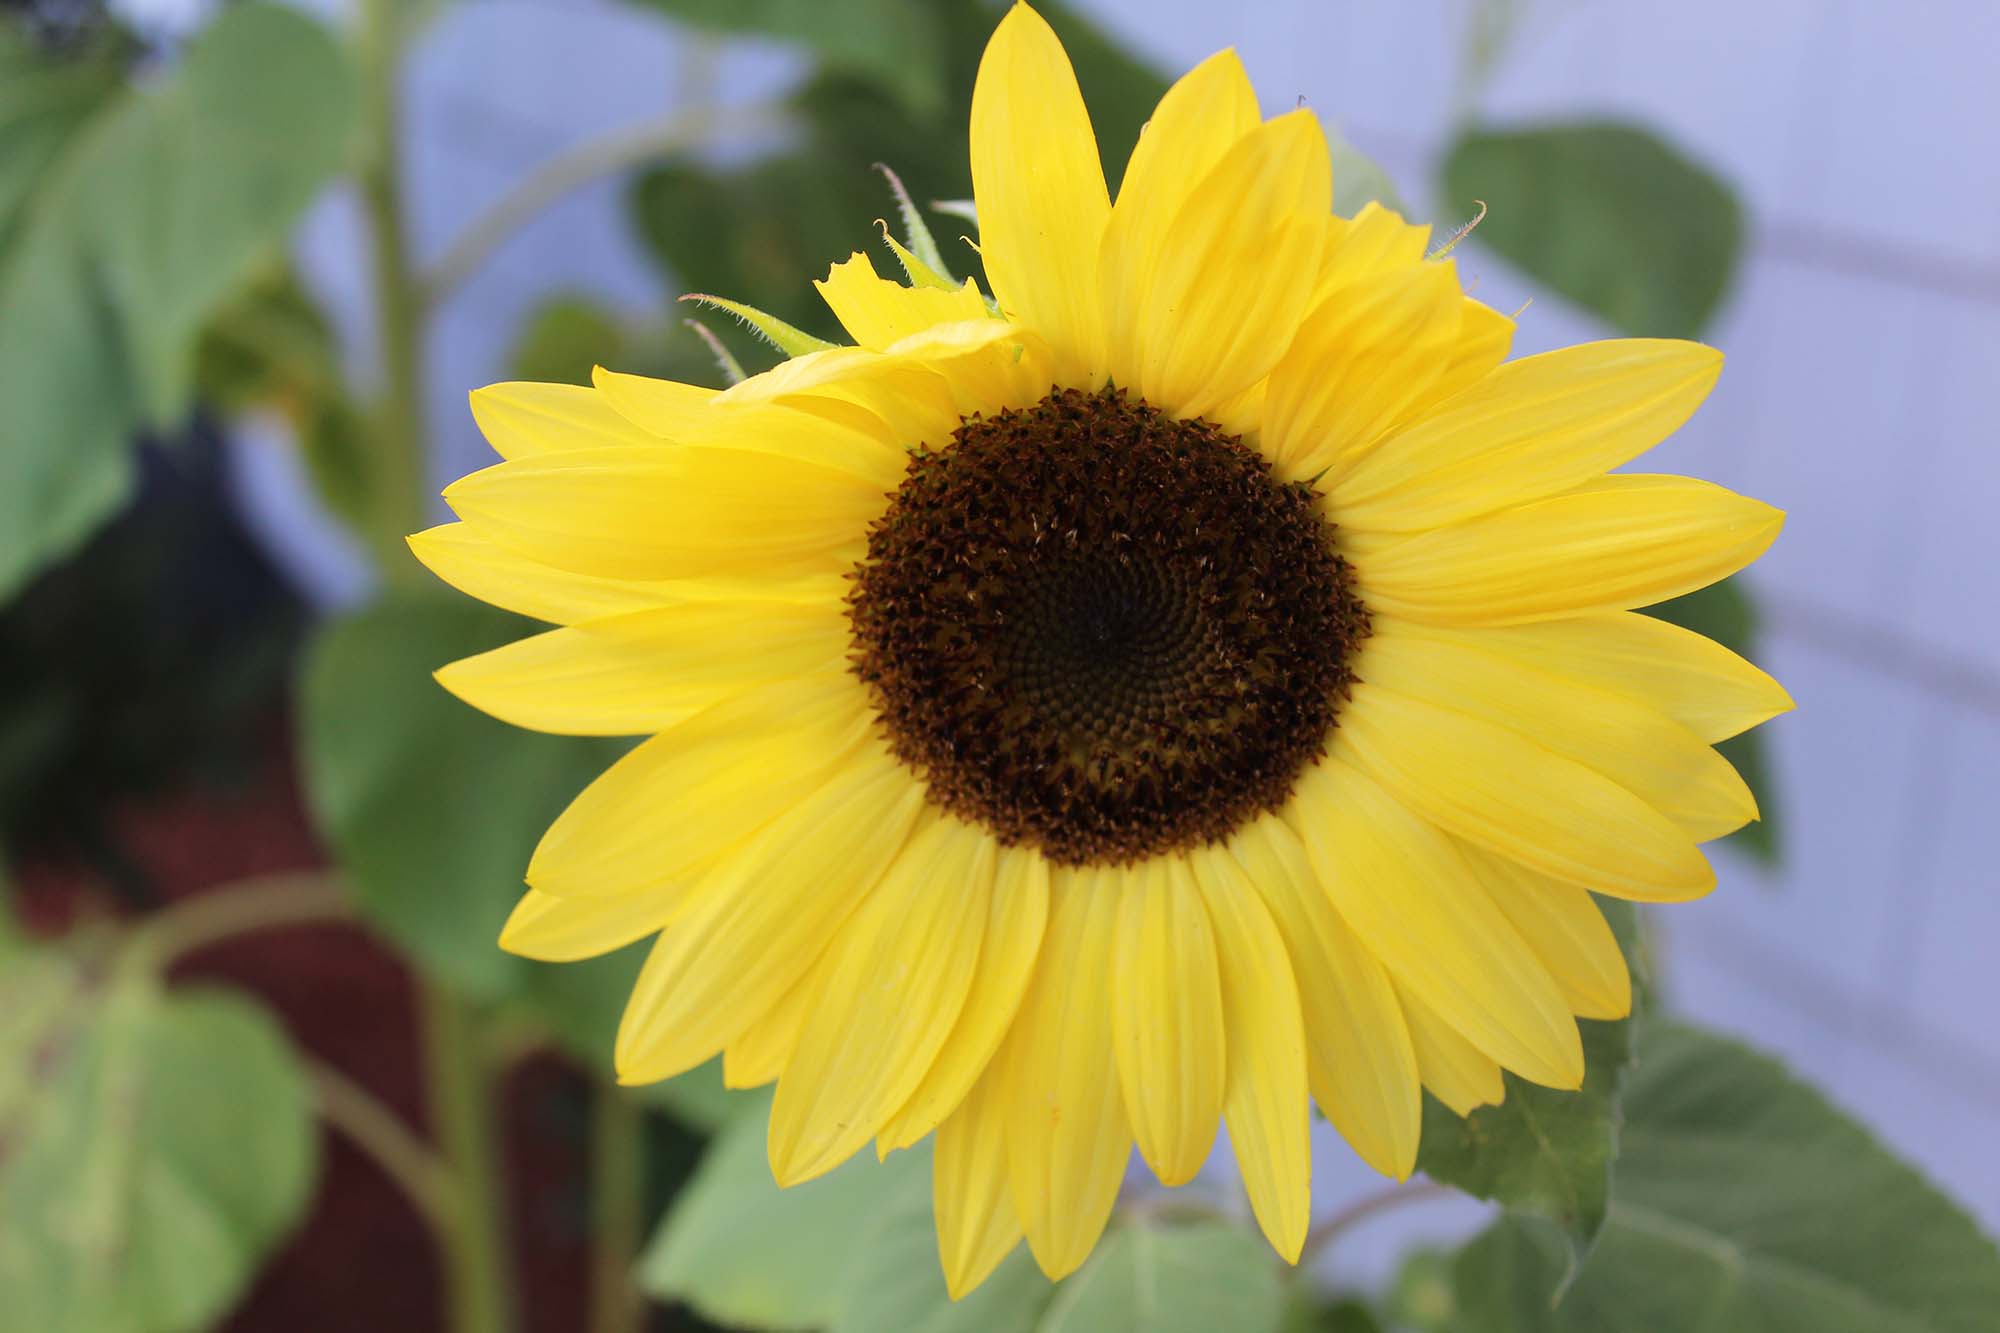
1101, 631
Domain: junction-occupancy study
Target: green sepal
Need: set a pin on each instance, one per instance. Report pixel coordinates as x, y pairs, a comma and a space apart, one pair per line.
923, 261
787, 338
725, 360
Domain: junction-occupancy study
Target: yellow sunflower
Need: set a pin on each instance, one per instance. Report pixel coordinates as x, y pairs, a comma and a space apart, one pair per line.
1200, 681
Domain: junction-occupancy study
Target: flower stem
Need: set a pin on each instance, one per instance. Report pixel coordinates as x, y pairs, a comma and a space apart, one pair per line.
461, 1106
396, 453
1324, 1234
260, 903
617, 1190
373, 1128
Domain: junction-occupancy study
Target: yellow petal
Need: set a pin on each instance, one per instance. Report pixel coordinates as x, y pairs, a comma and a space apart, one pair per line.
1374, 240
1454, 1069
1067, 1136
1006, 963
1529, 429
1484, 338
1359, 1063
1411, 898
675, 513
1635, 745
762, 919
1040, 191
876, 312
1266, 1102
522, 418
1226, 294
645, 671
1360, 360
1199, 119
893, 401
1492, 787
1692, 679
1619, 542
660, 408
757, 1055
562, 930
976, 1223
482, 568
990, 365
884, 1000
1562, 925
1166, 1019
664, 812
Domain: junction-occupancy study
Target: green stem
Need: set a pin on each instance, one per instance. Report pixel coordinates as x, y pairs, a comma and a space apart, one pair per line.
397, 453
462, 1120
456, 1073
264, 902
617, 1202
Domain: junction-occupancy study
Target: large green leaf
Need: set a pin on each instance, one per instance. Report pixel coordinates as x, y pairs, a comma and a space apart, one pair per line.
896, 44
1742, 1202
1724, 612
1172, 1279
431, 807
856, 1252
1542, 1150
1609, 216
136, 225
44, 99
743, 1252
154, 1147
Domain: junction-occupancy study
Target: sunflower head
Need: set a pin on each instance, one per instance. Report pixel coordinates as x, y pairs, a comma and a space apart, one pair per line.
1201, 680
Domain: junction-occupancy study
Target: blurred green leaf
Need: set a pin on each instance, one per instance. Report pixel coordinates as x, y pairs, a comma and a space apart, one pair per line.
1608, 215
760, 234
1743, 1202
144, 220
743, 1252
157, 1145
1347, 1317
897, 1281
44, 100
1724, 612
856, 1252
1357, 179
563, 338
430, 806
1545, 1151
895, 44
1421, 1297
1172, 1279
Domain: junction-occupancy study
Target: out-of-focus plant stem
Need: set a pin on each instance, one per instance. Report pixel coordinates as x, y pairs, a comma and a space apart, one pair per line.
457, 1077
396, 453
461, 1106
617, 1200
351, 1109
261, 903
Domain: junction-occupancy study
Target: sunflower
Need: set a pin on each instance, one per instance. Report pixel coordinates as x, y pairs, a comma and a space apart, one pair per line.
1197, 683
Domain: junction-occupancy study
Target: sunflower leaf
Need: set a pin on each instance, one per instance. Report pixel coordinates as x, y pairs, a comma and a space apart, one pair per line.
430, 807
134, 214
157, 1146
745, 1253
1742, 1201
1146, 1278
1546, 1151
1608, 215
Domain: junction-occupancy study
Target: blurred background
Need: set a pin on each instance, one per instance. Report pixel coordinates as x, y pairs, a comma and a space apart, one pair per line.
1804, 183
